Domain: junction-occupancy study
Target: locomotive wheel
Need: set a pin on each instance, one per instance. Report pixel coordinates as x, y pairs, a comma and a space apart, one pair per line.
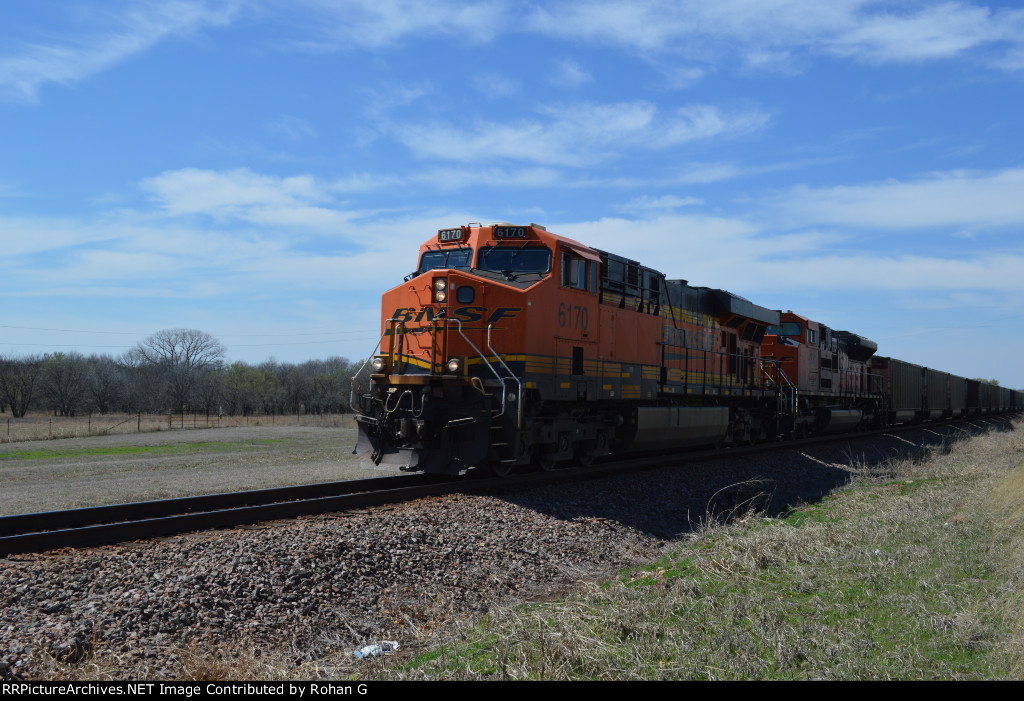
546, 459
585, 453
499, 469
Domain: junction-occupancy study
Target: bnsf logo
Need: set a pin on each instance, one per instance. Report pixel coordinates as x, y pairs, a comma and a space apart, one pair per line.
408, 315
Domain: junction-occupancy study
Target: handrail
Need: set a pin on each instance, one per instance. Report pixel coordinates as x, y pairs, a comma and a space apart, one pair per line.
355, 378
519, 384
780, 389
483, 358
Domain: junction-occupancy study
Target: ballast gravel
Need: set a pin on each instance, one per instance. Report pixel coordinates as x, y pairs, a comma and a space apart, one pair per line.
319, 585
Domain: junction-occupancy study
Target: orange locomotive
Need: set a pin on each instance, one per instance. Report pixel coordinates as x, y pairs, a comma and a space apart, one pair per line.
825, 376
510, 345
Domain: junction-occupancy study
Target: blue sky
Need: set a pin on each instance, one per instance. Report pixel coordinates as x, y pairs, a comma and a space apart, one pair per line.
263, 170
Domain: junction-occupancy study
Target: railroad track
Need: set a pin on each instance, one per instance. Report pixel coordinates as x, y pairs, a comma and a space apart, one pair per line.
98, 525
38, 532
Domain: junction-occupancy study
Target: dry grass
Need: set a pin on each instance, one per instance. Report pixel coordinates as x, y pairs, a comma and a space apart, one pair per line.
39, 426
81, 472
193, 663
911, 572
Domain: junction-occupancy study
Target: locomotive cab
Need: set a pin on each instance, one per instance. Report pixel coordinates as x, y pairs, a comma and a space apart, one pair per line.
828, 371
444, 382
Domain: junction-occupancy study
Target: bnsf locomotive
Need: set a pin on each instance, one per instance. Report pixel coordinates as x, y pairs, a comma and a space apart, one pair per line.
510, 345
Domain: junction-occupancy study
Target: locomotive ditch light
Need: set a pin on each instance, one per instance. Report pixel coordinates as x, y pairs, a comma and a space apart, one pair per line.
378, 365
454, 366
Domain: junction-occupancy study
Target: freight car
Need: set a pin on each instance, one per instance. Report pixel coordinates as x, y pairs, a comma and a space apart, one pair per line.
510, 345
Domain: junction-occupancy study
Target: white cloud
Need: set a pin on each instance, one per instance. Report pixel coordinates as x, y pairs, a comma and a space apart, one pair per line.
342, 24
577, 134
767, 33
646, 203
940, 31
569, 74
292, 128
385, 99
949, 200
682, 77
493, 85
110, 36
21, 236
297, 201
754, 258
458, 178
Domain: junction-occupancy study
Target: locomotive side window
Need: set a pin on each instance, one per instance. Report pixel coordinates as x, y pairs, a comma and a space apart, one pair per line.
578, 272
452, 258
786, 328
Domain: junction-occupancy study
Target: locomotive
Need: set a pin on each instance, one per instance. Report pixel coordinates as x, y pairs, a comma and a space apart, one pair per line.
511, 346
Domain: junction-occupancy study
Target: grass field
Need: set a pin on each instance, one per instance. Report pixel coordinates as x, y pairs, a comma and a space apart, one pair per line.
913, 571
108, 469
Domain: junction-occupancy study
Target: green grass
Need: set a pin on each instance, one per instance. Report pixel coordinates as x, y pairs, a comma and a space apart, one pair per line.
899, 576
111, 451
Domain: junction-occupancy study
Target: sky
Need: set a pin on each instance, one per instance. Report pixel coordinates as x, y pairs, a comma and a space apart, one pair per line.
263, 170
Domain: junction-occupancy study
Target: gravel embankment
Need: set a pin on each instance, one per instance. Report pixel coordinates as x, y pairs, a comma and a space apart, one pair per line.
324, 584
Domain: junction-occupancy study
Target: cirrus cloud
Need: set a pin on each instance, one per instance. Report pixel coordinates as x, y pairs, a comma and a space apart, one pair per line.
578, 134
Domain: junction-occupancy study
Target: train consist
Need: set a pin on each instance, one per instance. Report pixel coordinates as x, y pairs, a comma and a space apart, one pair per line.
510, 346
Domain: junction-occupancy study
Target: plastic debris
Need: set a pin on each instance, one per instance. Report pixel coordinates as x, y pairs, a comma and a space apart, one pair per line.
385, 647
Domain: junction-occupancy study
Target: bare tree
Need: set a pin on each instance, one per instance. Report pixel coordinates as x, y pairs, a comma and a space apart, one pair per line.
107, 384
64, 381
182, 356
18, 379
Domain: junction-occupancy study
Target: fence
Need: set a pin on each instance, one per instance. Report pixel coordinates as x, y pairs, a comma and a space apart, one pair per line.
45, 427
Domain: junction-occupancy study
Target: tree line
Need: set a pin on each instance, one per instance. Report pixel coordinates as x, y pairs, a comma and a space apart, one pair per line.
172, 371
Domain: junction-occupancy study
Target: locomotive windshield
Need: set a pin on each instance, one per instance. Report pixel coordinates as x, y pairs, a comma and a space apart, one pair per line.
517, 259
453, 258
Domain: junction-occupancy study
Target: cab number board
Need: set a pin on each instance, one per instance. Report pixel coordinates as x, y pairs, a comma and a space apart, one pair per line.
449, 235
510, 232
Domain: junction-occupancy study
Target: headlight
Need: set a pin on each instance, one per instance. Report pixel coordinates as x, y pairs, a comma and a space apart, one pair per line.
440, 289
454, 366
377, 365
440, 295
440, 283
